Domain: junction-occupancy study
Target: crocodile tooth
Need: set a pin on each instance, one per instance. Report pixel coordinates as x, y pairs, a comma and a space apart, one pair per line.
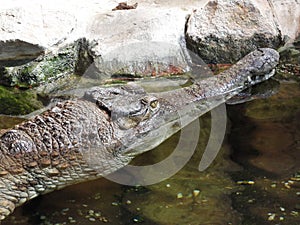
249, 79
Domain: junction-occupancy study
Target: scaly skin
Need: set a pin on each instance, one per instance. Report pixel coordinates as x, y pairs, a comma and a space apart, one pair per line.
83, 139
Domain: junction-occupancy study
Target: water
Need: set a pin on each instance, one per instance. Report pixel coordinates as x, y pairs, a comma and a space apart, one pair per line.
265, 139
253, 180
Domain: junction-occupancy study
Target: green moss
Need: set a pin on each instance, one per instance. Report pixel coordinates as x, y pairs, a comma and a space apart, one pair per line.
18, 102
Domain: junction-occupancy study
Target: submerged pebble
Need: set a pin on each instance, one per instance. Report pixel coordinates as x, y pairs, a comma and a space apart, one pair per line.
245, 182
196, 192
138, 219
294, 213
271, 216
179, 195
281, 218
92, 219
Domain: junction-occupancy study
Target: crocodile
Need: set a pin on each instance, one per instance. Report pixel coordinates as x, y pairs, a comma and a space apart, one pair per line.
85, 138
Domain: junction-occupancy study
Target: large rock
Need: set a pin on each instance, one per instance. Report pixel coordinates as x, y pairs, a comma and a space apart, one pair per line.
70, 59
28, 30
140, 42
287, 13
224, 31
148, 40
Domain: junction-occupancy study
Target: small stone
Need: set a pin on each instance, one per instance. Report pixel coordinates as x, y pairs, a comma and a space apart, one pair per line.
282, 209
246, 182
103, 219
138, 219
42, 217
91, 212
114, 204
294, 213
97, 196
168, 185
281, 218
128, 202
196, 192
287, 185
92, 219
179, 195
273, 185
271, 217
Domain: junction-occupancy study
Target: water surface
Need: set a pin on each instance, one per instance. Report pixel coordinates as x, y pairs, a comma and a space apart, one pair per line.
255, 178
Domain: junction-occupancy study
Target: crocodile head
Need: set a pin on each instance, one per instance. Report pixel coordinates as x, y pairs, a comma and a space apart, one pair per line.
133, 112
254, 68
143, 120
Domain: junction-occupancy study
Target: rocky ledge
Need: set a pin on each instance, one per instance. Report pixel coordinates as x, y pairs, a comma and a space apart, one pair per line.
41, 42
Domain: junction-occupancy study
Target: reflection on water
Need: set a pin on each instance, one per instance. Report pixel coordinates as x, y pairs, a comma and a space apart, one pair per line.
260, 185
8, 121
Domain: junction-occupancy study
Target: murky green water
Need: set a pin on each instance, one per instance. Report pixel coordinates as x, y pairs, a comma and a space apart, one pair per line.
255, 178
265, 138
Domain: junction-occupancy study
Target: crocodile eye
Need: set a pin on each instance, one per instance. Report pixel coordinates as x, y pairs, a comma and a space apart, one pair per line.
154, 104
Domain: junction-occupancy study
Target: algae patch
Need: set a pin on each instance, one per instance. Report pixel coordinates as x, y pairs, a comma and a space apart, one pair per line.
17, 102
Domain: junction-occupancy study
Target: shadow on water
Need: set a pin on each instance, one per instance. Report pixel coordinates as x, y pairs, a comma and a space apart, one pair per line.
265, 138
254, 179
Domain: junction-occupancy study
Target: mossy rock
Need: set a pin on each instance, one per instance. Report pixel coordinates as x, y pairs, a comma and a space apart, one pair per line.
42, 70
18, 102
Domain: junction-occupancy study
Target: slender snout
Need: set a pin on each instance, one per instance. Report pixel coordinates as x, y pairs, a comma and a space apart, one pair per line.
254, 68
264, 60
